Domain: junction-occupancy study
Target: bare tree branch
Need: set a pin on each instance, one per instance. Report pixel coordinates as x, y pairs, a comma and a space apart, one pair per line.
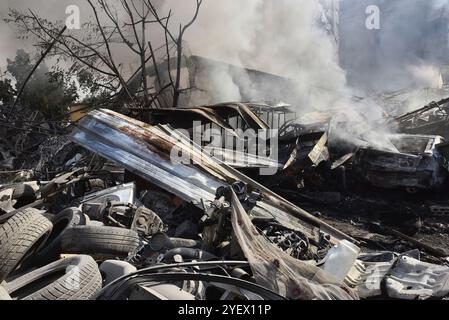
95, 52
44, 54
92, 51
177, 92
125, 86
114, 20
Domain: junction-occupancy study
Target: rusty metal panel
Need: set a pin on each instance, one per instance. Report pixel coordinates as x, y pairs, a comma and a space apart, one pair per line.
143, 151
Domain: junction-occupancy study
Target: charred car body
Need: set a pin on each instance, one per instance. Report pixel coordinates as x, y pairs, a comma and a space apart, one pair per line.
418, 164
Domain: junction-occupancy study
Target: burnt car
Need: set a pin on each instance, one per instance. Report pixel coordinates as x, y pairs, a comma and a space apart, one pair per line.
416, 165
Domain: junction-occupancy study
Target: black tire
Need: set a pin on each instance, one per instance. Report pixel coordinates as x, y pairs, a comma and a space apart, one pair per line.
4, 294
74, 278
23, 194
51, 250
20, 237
99, 241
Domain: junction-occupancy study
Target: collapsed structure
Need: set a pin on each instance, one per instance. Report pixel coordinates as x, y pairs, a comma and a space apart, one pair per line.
171, 217
138, 198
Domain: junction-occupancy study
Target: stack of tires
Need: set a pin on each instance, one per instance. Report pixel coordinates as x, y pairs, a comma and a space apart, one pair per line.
31, 245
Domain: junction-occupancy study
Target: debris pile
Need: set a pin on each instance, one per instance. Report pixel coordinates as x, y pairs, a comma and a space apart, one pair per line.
143, 210
33, 148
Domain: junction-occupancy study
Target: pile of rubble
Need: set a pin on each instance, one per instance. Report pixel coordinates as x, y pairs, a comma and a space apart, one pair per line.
124, 221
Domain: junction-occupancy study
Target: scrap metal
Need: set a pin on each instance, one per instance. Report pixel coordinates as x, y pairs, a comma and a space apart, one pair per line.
145, 150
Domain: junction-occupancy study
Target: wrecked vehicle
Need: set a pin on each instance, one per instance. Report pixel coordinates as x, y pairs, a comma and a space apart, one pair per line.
418, 164
410, 162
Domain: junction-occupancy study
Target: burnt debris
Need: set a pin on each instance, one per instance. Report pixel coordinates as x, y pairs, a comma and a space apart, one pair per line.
129, 200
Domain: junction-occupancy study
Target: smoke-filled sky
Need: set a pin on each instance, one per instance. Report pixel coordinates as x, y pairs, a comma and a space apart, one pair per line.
272, 35
281, 37
407, 50
284, 37
54, 9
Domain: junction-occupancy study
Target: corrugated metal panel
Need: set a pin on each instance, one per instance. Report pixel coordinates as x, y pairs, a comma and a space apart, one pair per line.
145, 150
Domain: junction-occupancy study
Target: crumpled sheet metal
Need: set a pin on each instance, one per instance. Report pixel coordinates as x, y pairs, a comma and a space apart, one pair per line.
237, 159
404, 277
184, 117
412, 279
272, 205
320, 152
278, 271
230, 157
250, 118
216, 114
145, 150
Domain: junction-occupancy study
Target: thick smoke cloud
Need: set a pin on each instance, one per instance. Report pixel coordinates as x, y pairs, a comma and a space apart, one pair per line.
283, 37
279, 37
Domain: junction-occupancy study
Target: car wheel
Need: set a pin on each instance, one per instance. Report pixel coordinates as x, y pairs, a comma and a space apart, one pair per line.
74, 278
51, 250
21, 237
100, 240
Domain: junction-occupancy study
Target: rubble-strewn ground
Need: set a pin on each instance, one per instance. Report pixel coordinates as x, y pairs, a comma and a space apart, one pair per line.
362, 222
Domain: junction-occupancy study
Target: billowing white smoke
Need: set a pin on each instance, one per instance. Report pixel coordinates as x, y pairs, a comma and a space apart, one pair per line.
283, 38
279, 37
426, 76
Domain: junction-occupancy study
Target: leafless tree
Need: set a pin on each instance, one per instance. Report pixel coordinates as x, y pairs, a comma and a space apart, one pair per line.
91, 52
